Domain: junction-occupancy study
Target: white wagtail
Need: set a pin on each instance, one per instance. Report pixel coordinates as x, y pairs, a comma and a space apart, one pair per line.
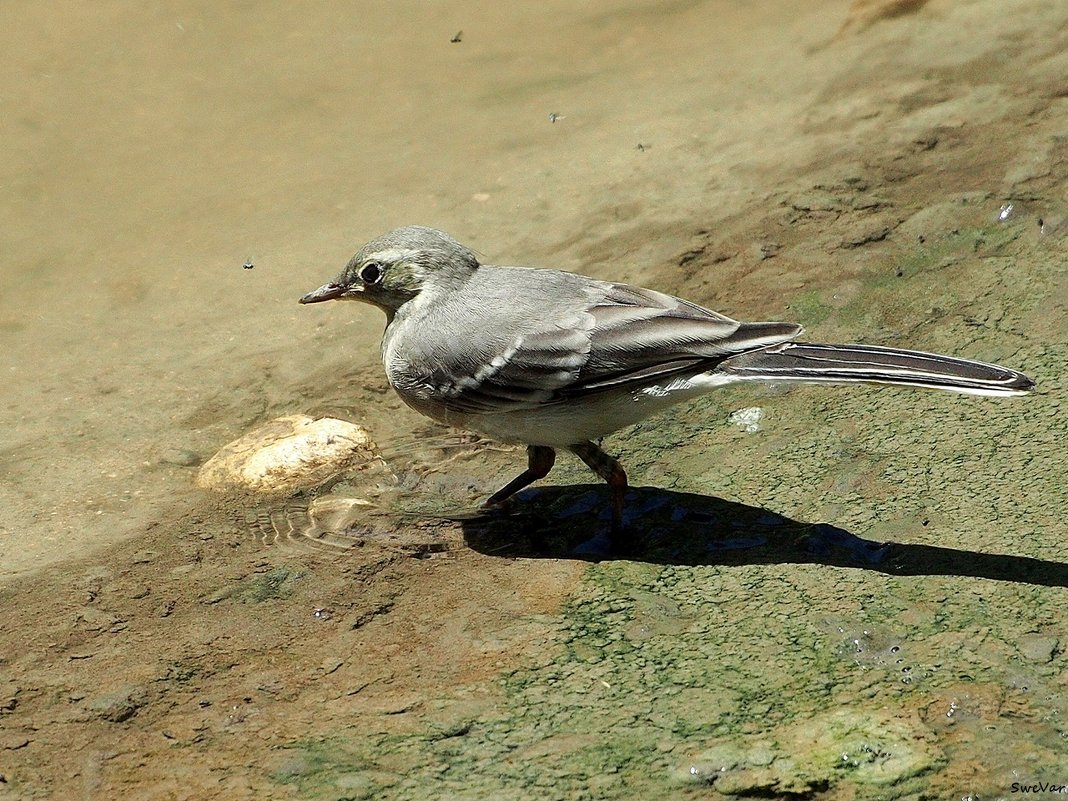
551, 359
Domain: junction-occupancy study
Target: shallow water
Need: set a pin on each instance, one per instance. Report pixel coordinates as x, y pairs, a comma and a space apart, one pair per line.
861, 597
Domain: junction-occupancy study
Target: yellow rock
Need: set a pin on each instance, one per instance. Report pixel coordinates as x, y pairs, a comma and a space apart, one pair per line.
287, 454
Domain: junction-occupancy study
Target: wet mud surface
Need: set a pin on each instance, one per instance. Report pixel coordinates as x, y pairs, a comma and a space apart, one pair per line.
828, 593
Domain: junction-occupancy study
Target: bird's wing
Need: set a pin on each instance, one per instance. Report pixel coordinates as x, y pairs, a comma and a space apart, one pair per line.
545, 344
640, 336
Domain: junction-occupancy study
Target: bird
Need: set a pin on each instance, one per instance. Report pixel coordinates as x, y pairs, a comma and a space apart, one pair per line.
555, 360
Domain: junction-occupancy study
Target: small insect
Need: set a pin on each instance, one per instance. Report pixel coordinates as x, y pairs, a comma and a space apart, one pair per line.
459, 37
248, 265
553, 117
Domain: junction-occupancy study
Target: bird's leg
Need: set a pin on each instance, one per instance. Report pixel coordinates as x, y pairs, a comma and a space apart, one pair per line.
540, 460
611, 471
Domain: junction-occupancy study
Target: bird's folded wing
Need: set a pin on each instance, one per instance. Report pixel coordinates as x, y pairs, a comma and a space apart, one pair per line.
641, 336
610, 336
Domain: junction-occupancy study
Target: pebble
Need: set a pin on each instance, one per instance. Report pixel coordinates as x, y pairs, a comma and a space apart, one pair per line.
119, 706
180, 457
1037, 647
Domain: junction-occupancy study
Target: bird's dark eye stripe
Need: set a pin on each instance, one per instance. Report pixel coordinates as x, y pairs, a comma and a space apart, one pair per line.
371, 273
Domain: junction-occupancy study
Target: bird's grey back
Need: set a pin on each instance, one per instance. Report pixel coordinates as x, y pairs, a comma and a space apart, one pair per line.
482, 320
514, 336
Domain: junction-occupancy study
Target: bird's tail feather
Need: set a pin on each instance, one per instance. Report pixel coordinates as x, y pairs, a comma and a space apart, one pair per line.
812, 362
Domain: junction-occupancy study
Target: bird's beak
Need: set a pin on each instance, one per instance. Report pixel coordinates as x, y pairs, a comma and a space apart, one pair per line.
326, 292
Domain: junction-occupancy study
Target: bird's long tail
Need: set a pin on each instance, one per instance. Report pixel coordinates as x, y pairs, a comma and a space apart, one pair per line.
812, 362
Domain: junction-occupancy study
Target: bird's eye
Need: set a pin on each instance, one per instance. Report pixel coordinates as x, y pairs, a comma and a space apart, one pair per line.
371, 273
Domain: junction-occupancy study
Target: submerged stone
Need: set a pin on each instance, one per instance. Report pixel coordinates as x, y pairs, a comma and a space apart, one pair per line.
843, 747
287, 454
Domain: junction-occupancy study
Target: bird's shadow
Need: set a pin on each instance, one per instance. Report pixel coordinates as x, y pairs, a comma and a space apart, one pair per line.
679, 528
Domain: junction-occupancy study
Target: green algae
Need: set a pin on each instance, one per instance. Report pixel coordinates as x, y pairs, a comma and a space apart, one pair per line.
274, 584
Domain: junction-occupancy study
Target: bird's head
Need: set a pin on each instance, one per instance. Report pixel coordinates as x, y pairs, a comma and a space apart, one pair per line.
394, 268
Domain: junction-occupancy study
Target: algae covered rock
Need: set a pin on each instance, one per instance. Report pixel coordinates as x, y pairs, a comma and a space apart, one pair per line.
844, 748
